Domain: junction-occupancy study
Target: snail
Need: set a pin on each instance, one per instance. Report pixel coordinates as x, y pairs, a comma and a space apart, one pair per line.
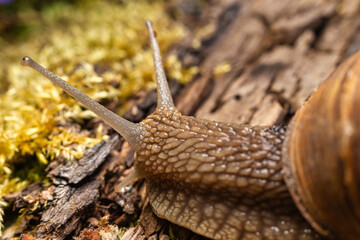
231, 181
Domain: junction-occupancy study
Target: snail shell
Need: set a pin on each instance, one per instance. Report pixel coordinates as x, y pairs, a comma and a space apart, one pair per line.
321, 154
227, 181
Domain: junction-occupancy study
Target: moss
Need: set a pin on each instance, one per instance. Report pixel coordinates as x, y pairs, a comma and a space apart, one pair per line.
98, 46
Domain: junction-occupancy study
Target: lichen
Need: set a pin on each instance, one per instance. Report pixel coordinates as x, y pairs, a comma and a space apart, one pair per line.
98, 46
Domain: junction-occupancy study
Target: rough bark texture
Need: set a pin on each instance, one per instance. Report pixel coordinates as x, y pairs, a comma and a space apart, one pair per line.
278, 50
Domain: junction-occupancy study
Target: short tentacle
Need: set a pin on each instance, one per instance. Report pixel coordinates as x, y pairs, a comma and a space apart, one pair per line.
129, 179
163, 91
130, 131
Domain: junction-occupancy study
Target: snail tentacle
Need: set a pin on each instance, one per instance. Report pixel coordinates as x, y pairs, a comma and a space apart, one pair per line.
163, 90
130, 131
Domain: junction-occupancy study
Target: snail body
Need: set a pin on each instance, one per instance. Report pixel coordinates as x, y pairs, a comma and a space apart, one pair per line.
231, 181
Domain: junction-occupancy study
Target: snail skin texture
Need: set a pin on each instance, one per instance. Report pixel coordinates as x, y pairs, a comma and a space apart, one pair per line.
230, 181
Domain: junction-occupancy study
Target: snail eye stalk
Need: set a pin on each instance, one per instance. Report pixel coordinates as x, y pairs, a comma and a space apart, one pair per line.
130, 131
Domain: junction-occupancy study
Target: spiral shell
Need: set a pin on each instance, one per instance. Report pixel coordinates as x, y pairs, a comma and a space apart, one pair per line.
321, 154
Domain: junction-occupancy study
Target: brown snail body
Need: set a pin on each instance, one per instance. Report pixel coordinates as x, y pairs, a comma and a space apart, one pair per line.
227, 181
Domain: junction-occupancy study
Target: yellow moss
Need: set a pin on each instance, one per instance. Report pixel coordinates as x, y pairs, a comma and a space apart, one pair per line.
100, 47
177, 71
222, 68
202, 33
